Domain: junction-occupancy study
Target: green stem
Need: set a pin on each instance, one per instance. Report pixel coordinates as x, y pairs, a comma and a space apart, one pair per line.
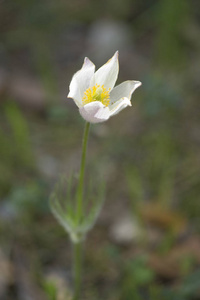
82, 172
77, 269
77, 247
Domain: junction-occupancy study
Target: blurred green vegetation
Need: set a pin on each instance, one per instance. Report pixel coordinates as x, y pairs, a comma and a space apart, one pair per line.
149, 155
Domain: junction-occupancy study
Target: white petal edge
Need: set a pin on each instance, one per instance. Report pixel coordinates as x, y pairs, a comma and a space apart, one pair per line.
107, 74
80, 81
116, 107
124, 90
95, 112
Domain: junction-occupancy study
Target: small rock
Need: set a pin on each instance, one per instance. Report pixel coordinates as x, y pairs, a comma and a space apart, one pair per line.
125, 230
59, 280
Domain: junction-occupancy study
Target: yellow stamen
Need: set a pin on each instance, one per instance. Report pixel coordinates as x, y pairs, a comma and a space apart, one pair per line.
97, 93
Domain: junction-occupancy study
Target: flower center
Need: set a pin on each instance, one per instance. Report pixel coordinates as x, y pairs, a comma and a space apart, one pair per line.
97, 93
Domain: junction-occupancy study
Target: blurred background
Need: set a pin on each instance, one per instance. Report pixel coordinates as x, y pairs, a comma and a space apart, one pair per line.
146, 243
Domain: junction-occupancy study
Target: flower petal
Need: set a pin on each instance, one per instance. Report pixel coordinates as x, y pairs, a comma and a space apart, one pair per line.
81, 81
116, 107
95, 112
107, 74
124, 90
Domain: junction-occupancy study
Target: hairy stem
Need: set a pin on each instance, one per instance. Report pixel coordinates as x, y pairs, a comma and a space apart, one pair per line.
77, 247
79, 207
77, 252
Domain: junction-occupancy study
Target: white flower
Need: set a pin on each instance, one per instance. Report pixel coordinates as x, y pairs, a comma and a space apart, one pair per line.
94, 92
